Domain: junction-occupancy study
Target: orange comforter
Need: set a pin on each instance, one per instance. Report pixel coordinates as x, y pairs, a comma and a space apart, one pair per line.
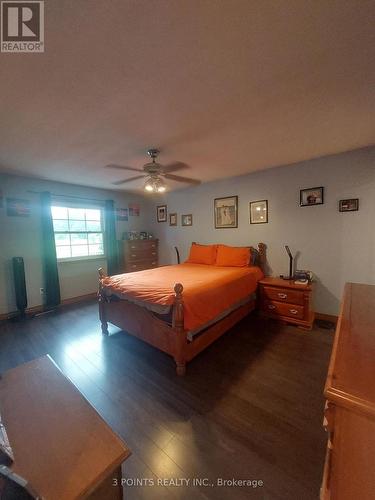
208, 290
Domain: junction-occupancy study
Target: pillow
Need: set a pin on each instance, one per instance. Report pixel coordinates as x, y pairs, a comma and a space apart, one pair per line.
202, 254
232, 256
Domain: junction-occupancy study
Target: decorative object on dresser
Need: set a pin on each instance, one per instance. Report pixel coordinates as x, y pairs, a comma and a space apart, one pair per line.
311, 196
186, 220
226, 212
349, 415
351, 205
139, 254
258, 212
287, 301
173, 219
161, 213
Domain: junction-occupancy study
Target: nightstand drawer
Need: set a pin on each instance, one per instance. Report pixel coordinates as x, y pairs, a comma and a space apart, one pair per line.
283, 295
280, 309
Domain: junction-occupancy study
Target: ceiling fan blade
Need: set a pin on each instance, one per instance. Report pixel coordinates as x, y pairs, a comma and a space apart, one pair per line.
174, 167
124, 181
120, 167
178, 178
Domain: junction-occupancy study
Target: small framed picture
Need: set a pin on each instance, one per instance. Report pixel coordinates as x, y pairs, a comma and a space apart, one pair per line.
186, 220
351, 205
173, 219
311, 196
226, 212
258, 212
18, 208
161, 212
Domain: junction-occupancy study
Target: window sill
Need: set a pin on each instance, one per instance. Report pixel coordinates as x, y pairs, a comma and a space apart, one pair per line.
81, 259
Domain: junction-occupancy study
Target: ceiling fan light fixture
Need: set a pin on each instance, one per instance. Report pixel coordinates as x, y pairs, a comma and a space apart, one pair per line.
154, 185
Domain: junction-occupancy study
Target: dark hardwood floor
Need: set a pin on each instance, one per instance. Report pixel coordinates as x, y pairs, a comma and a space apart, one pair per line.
250, 406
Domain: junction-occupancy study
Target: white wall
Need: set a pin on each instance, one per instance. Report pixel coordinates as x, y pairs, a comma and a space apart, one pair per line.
337, 247
21, 236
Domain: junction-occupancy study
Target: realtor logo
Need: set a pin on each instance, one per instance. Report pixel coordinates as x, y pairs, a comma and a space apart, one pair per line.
22, 26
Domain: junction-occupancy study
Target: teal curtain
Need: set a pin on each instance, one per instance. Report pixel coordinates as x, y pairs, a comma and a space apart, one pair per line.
110, 238
51, 275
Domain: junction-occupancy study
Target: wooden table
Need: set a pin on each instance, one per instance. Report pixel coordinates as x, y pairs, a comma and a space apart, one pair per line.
61, 444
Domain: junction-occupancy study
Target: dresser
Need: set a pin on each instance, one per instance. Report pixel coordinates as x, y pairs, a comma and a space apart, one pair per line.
139, 255
349, 416
286, 301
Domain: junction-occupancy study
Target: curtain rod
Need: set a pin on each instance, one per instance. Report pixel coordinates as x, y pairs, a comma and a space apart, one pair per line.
68, 196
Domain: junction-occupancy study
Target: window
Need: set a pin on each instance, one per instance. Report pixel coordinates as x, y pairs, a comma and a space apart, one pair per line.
78, 232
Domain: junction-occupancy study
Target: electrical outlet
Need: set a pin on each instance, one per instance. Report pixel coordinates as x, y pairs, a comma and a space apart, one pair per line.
42, 291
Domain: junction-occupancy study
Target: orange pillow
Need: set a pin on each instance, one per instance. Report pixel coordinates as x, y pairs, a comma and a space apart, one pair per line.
232, 256
202, 254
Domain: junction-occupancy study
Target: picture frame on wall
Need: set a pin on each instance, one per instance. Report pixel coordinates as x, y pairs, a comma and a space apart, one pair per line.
161, 213
311, 196
258, 212
187, 220
173, 219
226, 212
349, 205
18, 208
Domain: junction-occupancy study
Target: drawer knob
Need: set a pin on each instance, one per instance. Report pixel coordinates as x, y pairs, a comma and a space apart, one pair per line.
271, 306
153, 253
133, 247
293, 311
152, 246
282, 295
134, 255
153, 263
134, 265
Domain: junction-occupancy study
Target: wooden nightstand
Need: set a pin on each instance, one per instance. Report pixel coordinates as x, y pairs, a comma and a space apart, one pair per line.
286, 301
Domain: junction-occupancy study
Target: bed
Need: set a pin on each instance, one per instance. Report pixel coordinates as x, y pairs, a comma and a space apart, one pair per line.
181, 309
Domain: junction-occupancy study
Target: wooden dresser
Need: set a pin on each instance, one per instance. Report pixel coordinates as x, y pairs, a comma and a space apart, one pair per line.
139, 255
286, 301
349, 416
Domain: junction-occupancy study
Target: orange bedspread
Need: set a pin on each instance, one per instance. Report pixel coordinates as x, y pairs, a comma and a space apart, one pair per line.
208, 290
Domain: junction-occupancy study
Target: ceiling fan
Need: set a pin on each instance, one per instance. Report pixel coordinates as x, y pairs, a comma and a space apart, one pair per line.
154, 173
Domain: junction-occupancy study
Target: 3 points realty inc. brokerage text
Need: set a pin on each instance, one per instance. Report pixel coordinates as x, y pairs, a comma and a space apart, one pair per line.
187, 481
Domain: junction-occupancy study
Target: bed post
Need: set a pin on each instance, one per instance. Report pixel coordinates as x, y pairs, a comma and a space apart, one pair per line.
102, 301
178, 326
262, 257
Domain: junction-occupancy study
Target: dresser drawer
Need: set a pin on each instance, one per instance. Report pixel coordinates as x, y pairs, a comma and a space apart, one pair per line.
281, 309
140, 265
283, 295
141, 245
141, 254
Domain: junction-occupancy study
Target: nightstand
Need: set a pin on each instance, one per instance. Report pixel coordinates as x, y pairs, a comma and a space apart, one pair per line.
286, 301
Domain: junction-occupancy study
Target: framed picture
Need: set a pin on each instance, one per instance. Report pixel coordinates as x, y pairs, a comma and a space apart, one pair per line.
226, 212
186, 220
258, 212
122, 214
134, 209
311, 196
18, 208
161, 212
351, 205
173, 219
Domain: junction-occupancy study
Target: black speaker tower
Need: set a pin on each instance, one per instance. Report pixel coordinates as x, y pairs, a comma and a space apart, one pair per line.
20, 284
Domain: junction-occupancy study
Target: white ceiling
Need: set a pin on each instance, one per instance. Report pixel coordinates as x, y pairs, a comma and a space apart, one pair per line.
227, 87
